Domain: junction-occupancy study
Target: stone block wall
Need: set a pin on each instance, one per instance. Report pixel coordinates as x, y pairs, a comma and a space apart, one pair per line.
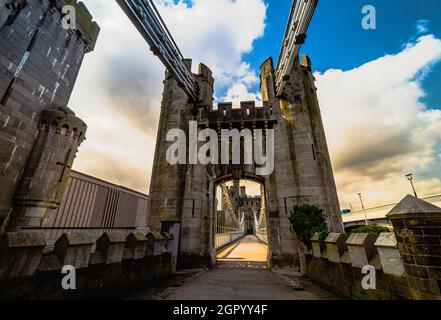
39, 64
337, 264
113, 264
407, 262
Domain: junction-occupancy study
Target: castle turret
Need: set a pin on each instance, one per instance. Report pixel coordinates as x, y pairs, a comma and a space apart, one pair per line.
41, 187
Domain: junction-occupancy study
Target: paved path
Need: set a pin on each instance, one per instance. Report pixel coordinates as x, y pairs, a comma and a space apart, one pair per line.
249, 252
242, 274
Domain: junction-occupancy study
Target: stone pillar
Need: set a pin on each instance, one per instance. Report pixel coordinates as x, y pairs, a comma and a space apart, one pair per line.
417, 226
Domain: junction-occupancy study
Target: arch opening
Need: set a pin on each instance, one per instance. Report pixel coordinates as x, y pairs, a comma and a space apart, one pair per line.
240, 223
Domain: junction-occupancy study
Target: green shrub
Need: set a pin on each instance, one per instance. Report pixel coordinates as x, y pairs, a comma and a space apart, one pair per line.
306, 220
370, 229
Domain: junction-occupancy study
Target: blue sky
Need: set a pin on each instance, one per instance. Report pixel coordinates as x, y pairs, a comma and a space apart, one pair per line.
337, 40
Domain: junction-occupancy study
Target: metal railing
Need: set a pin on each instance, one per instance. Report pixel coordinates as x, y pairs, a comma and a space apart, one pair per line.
379, 213
229, 224
224, 239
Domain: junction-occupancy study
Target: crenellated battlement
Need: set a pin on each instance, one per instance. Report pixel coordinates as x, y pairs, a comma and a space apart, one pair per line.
113, 261
340, 263
248, 114
400, 265
62, 122
87, 30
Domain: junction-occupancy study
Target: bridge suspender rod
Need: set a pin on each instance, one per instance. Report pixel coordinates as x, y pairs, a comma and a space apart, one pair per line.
228, 206
146, 18
295, 35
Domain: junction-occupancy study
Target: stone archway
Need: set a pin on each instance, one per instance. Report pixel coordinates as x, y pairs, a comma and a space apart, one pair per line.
183, 192
216, 181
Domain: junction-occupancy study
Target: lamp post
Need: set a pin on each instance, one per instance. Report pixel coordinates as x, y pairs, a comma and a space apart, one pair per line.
410, 178
364, 210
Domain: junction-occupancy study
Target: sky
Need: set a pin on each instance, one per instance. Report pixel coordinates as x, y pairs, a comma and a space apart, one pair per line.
378, 89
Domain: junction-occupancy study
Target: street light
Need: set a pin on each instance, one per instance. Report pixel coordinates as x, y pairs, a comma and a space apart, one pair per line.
410, 178
364, 210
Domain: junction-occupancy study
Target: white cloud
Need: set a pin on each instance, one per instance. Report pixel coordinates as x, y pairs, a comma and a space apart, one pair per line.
119, 88
422, 26
378, 129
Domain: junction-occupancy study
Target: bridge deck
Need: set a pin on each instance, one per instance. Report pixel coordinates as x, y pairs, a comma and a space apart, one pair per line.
248, 252
241, 274
246, 284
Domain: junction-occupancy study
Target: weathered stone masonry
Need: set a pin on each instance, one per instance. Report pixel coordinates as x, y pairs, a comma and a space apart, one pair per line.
407, 262
39, 134
108, 267
183, 194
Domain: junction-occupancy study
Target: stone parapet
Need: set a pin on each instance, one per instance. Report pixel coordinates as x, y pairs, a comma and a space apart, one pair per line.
359, 250
407, 262
338, 262
29, 269
22, 252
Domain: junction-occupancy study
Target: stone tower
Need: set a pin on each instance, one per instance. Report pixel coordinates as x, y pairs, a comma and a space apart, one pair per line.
179, 193
39, 134
303, 171
184, 195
